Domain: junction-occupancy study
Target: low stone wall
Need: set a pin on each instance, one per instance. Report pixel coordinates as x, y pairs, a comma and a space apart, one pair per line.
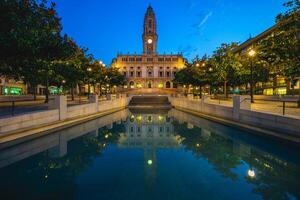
81, 110
28, 120
58, 110
271, 121
240, 112
113, 104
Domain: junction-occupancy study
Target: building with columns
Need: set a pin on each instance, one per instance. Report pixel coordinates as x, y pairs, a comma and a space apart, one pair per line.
150, 69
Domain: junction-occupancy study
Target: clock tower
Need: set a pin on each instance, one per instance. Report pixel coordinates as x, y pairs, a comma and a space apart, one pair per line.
150, 36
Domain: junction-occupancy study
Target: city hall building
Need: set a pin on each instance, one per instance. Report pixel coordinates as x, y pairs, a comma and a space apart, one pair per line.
150, 69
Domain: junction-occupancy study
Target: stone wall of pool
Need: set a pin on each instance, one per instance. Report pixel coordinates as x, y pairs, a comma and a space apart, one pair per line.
240, 112
60, 111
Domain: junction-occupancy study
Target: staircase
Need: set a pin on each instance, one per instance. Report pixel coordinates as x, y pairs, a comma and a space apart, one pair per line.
161, 102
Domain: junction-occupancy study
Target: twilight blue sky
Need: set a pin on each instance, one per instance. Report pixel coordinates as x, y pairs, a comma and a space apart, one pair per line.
194, 27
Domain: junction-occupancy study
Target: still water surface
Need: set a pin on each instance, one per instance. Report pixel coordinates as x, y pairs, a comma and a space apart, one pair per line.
144, 155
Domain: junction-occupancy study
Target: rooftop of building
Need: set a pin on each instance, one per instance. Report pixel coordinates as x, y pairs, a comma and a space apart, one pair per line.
248, 43
150, 55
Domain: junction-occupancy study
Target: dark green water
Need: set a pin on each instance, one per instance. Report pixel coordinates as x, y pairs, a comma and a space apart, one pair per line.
139, 155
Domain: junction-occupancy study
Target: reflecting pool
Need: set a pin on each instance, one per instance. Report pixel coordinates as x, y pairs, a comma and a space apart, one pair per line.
150, 155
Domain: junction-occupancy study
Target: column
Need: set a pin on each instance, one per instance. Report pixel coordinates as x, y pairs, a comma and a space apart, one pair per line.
94, 99
60, 103
240, 102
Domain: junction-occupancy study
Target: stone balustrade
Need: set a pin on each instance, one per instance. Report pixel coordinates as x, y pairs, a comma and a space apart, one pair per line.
58, 110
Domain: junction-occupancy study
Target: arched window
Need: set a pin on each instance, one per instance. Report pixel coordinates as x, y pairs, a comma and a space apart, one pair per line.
168, 84
131, 84
149, 84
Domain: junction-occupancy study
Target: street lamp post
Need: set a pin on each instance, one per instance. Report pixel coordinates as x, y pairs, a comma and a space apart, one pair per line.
89, 87
210, 69
100, 84
63, 83
251, 54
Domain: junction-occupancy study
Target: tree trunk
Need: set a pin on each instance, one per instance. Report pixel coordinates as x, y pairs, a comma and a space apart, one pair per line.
47, 95
72, 92
225, 89
200, 92
100, 89
79, 93
47, 90
288, 86
299, 98
193, 90
34, 93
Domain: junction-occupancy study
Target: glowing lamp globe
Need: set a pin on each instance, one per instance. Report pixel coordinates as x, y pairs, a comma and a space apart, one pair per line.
149, 162
252, 53
251, 173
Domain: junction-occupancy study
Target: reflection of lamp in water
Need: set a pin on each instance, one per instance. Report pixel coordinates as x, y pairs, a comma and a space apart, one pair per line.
139, 118
149, 162
132, 118
251, 173
160, 118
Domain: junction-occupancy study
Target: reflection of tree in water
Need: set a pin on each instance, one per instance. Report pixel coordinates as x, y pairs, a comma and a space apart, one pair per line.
52, 177
275, 178
216, 149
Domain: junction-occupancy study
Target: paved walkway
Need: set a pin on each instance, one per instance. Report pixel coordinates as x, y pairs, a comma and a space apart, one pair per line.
28, 106
6, 109
266, 106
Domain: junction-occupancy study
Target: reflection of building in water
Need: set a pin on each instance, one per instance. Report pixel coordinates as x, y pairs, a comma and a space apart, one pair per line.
149, 132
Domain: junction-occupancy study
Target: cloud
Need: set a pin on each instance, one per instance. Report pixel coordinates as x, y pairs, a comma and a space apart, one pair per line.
205, 19
196, 28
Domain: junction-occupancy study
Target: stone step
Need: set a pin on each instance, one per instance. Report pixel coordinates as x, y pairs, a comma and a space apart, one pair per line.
149, 100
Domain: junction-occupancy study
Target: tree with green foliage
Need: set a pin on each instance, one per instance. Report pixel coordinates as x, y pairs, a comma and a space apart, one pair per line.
30, 40
32, 48
281, 48
254, 69
115, 78
227, 65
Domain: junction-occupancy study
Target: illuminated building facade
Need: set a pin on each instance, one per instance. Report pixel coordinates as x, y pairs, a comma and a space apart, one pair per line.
12, 87
150, 69
277, 84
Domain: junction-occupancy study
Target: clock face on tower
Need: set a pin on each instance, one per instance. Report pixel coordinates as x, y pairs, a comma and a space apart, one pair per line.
149, 41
